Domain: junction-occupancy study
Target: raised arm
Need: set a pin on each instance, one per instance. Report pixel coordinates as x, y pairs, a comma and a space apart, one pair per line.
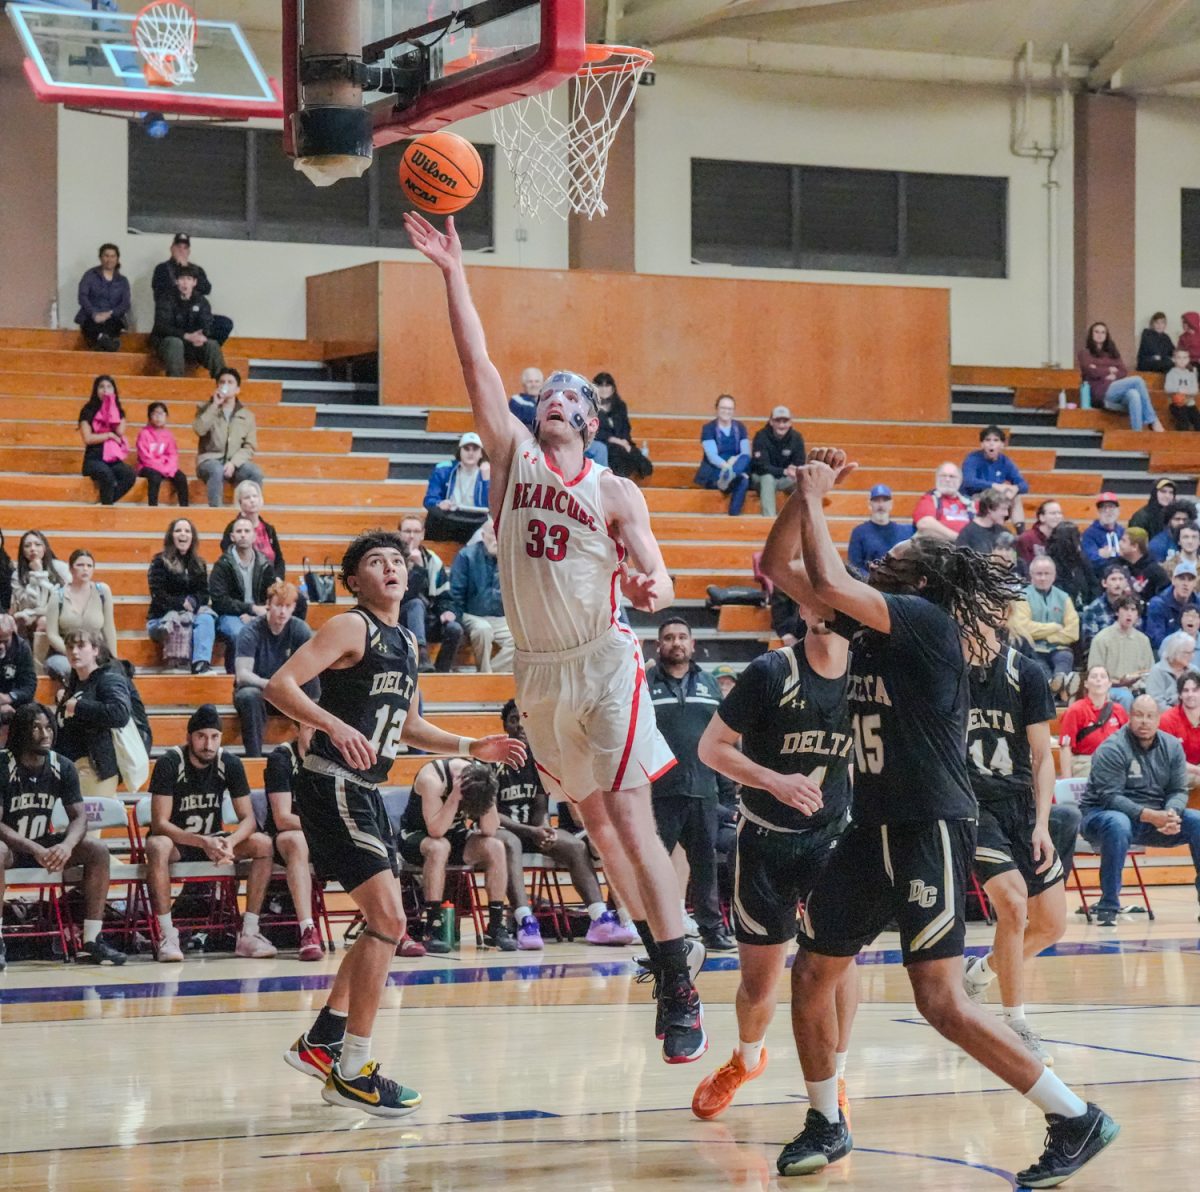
499, 429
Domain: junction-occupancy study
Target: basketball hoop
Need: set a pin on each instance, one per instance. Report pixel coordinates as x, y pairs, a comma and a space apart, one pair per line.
563, 165
165, 36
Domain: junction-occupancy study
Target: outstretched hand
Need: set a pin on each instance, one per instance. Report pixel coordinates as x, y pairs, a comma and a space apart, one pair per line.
499, 747
443, 248
827, 467
640, 590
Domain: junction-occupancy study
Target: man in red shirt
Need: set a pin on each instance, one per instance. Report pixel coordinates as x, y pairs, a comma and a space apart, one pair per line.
1087, 723
943, 512
1183, 721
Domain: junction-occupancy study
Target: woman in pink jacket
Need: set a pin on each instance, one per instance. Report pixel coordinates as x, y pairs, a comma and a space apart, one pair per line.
158, 455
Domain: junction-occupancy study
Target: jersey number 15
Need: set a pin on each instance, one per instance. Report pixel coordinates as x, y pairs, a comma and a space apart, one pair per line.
868, 744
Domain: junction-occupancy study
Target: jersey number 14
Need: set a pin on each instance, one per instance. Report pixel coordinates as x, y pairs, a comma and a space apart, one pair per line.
1001, 763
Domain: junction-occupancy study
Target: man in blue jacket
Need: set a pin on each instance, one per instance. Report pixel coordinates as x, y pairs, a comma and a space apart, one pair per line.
1101, 540
989, 467
1164, 611
457, 493
871, 540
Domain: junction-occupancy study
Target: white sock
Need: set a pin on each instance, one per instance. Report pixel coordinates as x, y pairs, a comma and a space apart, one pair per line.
983, 972
1050, 1095
596, 910
841, 1058
249, 924
356, 1051
337, 1013
751, 1053
521, 914
822, 1094
305, 924
165, 924
1013, 1013
91, 930
625, 917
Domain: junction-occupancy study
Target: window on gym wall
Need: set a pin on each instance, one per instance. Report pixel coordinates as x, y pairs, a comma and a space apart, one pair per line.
1189, 238
864, 221
237, 184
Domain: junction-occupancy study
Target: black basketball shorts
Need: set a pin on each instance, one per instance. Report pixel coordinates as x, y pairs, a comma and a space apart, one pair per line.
347, 828
773, 873
1004, 843
912, 874
410, 844
24, 860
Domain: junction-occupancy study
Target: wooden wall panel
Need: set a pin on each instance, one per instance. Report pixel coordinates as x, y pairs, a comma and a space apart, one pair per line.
675, 343
343, 310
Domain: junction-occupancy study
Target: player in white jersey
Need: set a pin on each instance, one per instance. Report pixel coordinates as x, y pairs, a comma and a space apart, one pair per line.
568, 532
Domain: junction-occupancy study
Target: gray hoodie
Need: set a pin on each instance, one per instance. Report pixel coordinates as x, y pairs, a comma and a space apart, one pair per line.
1125, 777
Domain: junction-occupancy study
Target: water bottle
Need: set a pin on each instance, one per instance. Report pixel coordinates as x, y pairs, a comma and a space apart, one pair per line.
449, 932
1062, 399
54, 313
1085, 396
646, 448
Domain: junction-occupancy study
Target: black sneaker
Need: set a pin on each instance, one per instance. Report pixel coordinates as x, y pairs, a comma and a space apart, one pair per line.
98, 952
3, 956
370, 1092
717, 939
1106, 918
696, 956
682, 1018
1070, 1143
499, 936
820, 1143
200, 668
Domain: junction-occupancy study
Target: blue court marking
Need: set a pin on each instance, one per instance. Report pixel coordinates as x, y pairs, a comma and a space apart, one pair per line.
506, 1115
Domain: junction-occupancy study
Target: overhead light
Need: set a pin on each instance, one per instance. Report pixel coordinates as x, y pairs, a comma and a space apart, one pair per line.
155, 125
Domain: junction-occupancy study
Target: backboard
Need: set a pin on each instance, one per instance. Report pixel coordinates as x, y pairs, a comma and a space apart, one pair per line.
88, 59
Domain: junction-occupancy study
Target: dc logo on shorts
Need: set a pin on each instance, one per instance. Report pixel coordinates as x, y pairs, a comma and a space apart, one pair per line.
922, 894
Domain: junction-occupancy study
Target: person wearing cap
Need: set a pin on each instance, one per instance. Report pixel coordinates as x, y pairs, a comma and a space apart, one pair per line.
989, 467
162, 282
187, 794
1100, 613
457, 493
1036, 540
1177, 515
1164, 611
981, 532
726, 678
872, 539
726, 462
1147, 576
1152, 516
944, 510
775, 454
1046, 616
1100, 541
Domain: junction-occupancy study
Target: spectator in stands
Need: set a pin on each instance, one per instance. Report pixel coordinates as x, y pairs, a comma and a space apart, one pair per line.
451, 819
1187, 549
1034, 541
1166, 541
1162, 683
944, 512
95, 700
187, 793
228, 437
166, 275
1155, 348
726, 678
1102, 612
1163, 612
981, 532
249, 498
1102, 538
1189, 337
263, 646
1181, 386
1047, 617
1004, 551
524, 404
179, 600
18, 678
476, 603
1137, 794
989, 467
183, 331
158, 456
616, 431
726, 462
82, 603
104, 302
33, 778
425, 608
685, 797
457, 493
1087, 723
6, 577
775, 454
1101, 367
872, 539
1124, 651
238, 585
1147, 576
102, 429
38, 576
1183, 721
524, 807
1189, 626
1075, 575
1152, 515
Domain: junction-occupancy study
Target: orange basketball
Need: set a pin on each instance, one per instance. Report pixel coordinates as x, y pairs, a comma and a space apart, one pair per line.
440, 173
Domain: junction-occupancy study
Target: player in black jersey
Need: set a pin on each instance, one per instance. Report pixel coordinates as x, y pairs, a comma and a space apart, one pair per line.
912, 838
789, 709
367, 666
1012, 773
32, 779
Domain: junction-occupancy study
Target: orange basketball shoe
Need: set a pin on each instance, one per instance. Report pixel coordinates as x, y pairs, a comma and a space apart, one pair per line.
715, 1093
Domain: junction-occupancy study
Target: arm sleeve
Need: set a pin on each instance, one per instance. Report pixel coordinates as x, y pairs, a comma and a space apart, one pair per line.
1177, 788
204, 316
458, 585
206, 417
1013, 474
1156, 623
122, 304
247, 640
111, 708
743, 706
1107, 780
249, 444
856, 553
203, 285
24, 685
52, 634
160, 282
171, 457
1145, 356
164, 319
110, 625
85, 294
974, 479
711, 454
439, 480
1091, 542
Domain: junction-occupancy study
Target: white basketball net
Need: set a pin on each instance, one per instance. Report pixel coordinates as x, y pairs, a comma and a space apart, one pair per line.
165, 36
562, 166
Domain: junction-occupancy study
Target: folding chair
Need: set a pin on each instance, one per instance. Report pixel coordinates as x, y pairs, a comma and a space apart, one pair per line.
1069, 790
52, 918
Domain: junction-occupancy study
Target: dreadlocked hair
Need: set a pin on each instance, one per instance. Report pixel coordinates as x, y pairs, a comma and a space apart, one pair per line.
976, 590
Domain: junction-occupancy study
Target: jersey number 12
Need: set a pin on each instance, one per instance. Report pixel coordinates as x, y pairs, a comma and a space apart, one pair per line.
389, 724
